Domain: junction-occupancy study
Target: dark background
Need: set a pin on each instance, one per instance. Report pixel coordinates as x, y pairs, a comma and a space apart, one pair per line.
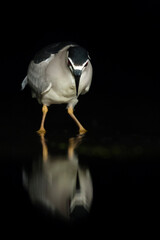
122, 108
122, 38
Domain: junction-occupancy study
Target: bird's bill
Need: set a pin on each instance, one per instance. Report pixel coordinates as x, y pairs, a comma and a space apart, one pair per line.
77, 78
77, 75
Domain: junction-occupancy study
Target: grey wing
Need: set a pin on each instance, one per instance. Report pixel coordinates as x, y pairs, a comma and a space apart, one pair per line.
37, 78
24, 83
36, 72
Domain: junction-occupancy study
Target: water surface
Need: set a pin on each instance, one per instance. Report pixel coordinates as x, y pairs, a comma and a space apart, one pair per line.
111, 173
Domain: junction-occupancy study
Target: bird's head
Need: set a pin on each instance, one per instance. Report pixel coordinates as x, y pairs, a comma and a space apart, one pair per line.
78, 59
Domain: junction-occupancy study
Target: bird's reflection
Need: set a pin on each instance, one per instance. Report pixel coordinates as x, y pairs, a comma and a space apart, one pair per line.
60, 183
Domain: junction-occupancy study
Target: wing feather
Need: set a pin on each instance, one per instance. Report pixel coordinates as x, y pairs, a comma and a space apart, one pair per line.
37, 78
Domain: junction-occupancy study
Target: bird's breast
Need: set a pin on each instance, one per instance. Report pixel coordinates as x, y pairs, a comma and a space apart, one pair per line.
64, 86
59, 95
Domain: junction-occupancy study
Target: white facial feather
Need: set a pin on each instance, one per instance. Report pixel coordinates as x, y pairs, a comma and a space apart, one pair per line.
78, 67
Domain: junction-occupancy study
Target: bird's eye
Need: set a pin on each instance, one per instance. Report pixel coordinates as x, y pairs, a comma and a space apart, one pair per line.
86, 64
69, 63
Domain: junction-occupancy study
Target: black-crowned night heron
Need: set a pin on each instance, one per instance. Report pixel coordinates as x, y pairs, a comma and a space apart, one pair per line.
58, 74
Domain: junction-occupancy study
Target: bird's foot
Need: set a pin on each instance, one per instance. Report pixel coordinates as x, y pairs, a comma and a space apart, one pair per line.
41, 131
82, 130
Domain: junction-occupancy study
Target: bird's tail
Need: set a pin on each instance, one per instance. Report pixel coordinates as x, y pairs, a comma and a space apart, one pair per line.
24, 83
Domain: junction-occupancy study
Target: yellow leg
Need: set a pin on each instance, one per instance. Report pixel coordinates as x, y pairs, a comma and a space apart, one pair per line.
82, 130
44, 111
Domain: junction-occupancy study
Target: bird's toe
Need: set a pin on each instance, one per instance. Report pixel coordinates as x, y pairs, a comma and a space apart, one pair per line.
82, 131
41, 131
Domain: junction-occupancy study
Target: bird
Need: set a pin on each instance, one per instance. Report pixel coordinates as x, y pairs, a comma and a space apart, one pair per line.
58, 74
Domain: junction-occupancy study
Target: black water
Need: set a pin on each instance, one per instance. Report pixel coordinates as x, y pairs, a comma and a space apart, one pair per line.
118, 158
121, 151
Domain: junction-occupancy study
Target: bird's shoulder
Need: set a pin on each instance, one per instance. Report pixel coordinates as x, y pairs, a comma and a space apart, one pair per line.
46, 52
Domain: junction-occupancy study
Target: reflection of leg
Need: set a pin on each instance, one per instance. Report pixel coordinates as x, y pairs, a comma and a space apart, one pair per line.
44, 111
81, 128
71, 148
73, 143
44, 147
